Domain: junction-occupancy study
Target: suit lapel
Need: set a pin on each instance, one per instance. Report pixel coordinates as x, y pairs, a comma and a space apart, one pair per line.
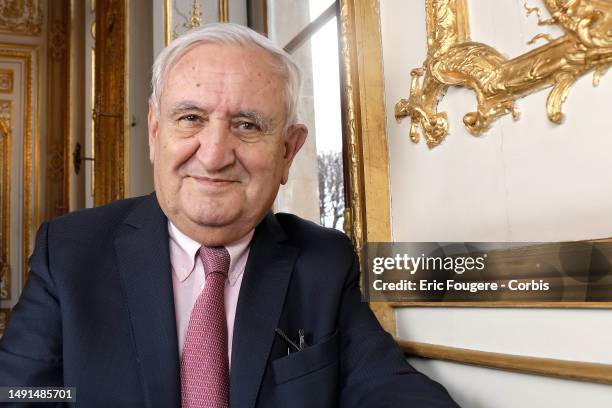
260, 303
144, 264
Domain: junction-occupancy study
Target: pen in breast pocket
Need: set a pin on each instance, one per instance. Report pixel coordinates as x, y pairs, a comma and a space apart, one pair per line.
302, 341
287, 339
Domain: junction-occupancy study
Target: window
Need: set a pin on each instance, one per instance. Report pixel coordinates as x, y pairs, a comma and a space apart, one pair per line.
315, 189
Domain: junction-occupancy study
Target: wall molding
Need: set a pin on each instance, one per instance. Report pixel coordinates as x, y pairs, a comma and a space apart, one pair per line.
508, 304
565, 369
29, 56
367, 216
453, 59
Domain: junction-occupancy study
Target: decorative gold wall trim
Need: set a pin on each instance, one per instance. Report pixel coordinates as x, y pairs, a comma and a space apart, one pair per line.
23, 17
224, 16
57, 40
110, 106
195, 16
4, 316
6, 112
31, 216
92, 128
75, 66
192, 20
569, 370
56, 198
508, 304
454, 60
351, 122
167, 22
126, 102
364, 128
6, 81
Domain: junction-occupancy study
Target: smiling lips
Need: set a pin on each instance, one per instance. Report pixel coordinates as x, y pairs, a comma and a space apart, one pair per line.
213, 181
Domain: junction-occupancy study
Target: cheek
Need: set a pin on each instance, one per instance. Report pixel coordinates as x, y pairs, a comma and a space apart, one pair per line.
176, 151
262, 162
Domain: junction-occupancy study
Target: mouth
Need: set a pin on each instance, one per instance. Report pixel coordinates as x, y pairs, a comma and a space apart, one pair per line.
214, 182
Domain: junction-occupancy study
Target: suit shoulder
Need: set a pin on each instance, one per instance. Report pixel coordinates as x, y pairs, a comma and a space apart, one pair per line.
308, 235
95, 219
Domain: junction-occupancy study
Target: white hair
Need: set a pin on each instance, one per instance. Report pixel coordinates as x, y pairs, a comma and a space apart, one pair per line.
228, 34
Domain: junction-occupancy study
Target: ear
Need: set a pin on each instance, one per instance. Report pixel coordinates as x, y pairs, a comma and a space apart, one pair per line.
153, 125
293, 141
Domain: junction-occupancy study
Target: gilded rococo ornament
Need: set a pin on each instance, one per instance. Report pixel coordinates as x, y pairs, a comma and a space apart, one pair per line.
5, 192
21, 17
454, 60
4, 315
191, 21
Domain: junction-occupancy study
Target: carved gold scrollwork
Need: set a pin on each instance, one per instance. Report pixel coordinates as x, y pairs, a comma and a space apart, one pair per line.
109, 115
28, 56
57, 40
6, 81
5, 193
21, 16
5, 271
195, 19
353, 214
454, 60
4, 315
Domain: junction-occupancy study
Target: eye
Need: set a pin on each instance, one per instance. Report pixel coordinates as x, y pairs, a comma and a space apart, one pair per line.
189, 118
248, 126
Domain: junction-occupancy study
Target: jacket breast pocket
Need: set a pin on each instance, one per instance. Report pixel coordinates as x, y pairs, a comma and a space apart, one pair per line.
312, 359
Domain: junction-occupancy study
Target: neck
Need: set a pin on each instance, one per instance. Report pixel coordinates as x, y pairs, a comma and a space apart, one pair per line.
213, 236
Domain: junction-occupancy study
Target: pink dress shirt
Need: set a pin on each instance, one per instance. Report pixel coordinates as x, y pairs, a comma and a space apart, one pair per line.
188, 280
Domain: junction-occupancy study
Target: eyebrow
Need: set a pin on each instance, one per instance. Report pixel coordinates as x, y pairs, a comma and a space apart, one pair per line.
189, 106
184, 106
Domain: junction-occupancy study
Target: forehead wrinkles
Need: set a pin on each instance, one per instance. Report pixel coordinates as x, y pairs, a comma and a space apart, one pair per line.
229, 59
226, 73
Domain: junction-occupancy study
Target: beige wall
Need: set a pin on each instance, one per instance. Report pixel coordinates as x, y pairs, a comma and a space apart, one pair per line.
140, 61
523, 181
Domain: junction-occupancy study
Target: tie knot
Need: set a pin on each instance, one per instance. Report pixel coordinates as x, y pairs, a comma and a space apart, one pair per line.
215, 260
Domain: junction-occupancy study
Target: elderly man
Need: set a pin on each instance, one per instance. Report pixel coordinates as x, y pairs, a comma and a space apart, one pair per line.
198, 295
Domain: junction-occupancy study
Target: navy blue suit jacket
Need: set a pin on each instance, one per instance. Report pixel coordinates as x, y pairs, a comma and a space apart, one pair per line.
97, 313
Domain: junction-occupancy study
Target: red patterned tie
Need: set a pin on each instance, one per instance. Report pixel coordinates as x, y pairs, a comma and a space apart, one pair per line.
204, 364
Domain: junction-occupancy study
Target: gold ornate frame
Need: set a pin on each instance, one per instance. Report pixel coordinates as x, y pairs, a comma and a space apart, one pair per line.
364, 129
195, 17
6, 111
22, 19
110, 113
368, 204
6, 81
29, 56
57, 140
4, 316
454, 60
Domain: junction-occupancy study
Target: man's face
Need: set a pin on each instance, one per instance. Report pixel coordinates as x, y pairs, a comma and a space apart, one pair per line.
217, 147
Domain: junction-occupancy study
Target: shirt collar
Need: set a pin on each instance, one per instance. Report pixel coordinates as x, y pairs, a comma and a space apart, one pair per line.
184, 265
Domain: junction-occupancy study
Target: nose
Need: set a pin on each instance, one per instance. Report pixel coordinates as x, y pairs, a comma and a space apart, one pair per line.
216, 151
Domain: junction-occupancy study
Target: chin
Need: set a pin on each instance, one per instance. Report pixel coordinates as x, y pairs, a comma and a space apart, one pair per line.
214, 218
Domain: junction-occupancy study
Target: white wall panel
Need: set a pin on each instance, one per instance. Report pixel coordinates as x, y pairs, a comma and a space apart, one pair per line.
577, 335
476, 387
526, 180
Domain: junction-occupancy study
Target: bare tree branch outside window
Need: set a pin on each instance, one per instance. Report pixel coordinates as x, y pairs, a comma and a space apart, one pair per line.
331, 189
